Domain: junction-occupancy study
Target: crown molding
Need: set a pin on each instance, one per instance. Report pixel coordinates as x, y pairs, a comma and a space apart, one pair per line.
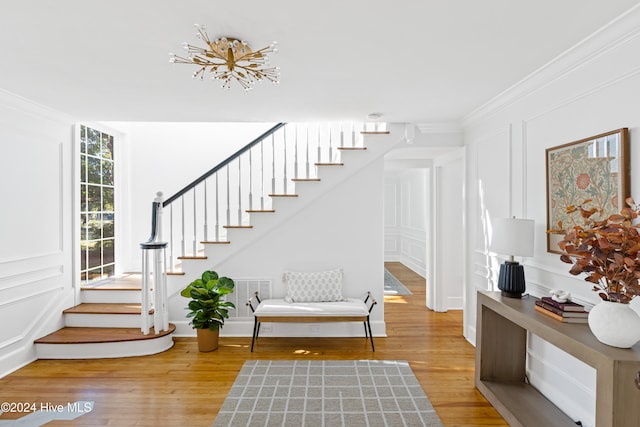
624, 28
20, 103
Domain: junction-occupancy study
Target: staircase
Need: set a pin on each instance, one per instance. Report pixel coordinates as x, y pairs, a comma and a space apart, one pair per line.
215, 217
105, 324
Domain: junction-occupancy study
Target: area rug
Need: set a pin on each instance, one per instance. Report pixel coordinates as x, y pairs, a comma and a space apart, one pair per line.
392, 286
317, 393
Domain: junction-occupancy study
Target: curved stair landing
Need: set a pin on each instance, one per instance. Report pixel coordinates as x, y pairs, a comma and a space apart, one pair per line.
97, 343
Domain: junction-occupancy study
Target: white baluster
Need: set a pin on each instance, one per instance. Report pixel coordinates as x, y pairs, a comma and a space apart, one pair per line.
206, 224
171, 258
239, 191
217, 232
341, 136
330, 144
144, 303
182, 219
261, 175
250, 180
353, 134
307, 160
273, 165
165, 295
228, 198
295, 160
319, 149
158, 306
195, 224
284, 143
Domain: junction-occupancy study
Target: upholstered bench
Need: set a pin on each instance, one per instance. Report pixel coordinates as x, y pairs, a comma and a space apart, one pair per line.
312, 298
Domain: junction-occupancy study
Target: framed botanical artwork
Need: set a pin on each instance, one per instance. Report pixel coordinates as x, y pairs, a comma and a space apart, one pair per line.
595, 168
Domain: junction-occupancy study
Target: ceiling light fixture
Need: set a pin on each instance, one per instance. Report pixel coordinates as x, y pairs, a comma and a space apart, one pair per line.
228, 59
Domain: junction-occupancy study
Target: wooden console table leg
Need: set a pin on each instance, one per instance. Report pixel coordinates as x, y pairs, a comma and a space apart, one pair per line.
503, 351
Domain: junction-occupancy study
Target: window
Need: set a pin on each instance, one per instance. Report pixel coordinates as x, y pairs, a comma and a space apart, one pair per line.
97, 210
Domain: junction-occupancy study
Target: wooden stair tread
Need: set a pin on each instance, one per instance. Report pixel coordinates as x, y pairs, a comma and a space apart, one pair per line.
283, 195
329, 164
305, 179
105, 308
109, 287
352, 148
175, 273
237, 226
79, 335
376, 132
192, 257
260, 210
215, 242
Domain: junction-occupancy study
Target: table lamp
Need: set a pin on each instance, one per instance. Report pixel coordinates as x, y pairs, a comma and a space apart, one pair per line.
512, 237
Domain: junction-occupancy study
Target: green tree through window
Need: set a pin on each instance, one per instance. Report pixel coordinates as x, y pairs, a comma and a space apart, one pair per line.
97, 207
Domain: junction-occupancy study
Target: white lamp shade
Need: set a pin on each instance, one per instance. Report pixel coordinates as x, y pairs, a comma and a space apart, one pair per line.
513, 237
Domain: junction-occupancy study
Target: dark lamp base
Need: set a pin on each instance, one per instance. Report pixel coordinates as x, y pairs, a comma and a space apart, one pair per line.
511, 280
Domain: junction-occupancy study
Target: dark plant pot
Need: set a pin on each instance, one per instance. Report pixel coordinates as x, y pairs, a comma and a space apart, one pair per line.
207, 339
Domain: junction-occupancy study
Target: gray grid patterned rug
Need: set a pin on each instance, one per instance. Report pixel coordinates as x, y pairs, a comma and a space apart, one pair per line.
317, 393
393, 286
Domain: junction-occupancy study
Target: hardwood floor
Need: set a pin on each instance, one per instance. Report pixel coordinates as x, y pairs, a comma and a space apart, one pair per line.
185, 387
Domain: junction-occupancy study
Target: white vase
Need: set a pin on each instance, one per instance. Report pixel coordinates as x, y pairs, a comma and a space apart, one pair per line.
615, 324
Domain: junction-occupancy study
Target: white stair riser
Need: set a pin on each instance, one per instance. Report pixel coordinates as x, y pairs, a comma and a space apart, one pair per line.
110, 296
99, 320
105, 350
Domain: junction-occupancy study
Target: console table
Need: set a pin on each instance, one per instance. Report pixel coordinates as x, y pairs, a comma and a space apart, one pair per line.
501, 346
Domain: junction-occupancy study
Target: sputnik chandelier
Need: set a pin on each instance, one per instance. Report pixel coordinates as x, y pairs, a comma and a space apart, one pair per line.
228, 59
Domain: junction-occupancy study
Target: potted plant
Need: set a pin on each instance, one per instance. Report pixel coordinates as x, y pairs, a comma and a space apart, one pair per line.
607, 252
208, 308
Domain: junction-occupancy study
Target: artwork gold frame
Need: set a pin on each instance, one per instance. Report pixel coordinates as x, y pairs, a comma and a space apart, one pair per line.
595, 168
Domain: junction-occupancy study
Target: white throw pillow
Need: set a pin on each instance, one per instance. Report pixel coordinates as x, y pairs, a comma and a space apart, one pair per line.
320, 286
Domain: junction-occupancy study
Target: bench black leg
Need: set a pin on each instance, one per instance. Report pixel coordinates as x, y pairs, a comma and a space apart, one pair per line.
370, 334
256, 329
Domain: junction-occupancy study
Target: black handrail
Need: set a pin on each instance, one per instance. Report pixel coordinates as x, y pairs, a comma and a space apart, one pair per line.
222, 164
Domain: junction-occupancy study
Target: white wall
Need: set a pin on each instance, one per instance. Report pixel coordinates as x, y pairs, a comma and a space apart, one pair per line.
343, 228
448, 230
36, 261
589, 90
406, 193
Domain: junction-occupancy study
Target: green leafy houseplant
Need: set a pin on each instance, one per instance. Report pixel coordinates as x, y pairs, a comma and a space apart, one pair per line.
606, 251
208, 309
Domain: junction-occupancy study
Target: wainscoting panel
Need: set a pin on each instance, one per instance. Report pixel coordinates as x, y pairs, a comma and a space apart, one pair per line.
36, 228
558, 375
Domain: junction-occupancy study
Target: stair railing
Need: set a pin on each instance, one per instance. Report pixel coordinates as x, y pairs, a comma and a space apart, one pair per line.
247, 181
154, 300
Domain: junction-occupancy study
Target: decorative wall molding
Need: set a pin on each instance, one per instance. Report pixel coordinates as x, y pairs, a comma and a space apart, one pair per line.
17, 263
61, 191
30, 295
31, 276
610, 37
524, 166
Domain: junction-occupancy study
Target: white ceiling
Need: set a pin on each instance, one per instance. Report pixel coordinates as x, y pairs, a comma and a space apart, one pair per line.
420, 61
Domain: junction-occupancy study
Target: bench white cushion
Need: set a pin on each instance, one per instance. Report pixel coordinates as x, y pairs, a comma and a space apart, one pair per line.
319, 286
281, 308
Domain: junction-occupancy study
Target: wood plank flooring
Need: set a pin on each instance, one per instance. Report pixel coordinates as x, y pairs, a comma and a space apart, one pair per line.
185, 387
